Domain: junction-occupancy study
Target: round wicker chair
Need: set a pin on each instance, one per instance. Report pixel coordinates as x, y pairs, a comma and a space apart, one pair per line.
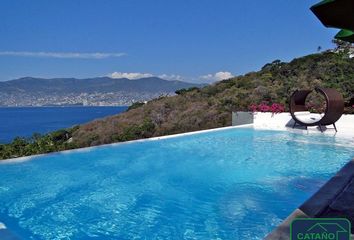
334, 107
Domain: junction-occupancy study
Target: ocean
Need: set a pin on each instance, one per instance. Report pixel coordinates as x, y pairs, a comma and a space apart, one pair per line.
24, 121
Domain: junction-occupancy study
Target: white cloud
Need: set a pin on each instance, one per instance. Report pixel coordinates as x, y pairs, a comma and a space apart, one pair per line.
208, 78
223, 75
217, 76
96, 55
137, 75
131, 76
171, 77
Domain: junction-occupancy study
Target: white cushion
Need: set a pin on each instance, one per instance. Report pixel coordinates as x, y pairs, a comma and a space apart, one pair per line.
307, 117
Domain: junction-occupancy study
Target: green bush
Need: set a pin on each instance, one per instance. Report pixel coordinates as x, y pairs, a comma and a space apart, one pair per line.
135, 105
144, 130
38, 144
185, 90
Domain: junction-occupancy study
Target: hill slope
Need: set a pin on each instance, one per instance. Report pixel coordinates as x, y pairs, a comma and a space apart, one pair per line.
211, 106
204, 108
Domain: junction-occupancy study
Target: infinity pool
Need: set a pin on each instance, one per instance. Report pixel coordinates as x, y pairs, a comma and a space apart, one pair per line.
228, 184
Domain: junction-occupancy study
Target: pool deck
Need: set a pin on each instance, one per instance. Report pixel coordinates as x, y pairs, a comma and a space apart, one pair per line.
334, 200
284, 122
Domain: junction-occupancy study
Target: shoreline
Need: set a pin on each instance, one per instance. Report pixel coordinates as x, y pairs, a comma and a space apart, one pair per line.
62, 106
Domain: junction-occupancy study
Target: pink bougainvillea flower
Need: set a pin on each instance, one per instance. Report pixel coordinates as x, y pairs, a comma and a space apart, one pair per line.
277, 108
253, 107
263, 107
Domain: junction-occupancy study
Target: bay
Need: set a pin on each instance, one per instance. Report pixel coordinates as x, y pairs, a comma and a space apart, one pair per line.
24, 121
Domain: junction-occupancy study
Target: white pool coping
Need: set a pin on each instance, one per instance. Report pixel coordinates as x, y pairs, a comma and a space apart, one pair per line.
87, 149
262, 121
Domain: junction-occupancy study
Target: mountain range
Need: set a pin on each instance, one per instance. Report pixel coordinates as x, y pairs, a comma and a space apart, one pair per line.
29, 91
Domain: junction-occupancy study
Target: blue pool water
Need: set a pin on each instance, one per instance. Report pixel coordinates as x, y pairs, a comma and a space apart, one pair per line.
228, 184
24, 121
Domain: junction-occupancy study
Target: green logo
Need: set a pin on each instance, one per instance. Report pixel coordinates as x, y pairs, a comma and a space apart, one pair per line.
320, 229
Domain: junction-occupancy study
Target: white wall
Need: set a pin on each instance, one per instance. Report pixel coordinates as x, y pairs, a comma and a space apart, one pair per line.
283, 121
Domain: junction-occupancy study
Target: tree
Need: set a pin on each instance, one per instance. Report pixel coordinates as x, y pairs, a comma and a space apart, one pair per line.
342, 46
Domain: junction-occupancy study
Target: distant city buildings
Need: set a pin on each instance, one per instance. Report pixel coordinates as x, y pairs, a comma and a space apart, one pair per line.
83, 99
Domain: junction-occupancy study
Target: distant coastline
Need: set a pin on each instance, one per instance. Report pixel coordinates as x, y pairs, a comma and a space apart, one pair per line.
101, 91
68, 106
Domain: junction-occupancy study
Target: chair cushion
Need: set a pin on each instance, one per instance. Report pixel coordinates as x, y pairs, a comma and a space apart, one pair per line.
307, 117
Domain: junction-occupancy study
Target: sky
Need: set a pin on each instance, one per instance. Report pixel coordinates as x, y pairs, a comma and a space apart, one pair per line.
190, 40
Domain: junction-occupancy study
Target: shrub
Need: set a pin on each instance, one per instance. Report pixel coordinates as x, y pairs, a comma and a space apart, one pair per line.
277, 108
185, 90
253, 108
135, 105
144, 130
265, 107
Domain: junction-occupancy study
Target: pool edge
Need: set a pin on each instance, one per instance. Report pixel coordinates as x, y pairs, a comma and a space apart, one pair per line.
28, 158
316, 205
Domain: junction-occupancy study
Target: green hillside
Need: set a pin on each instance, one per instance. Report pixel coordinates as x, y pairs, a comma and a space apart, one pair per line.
196, 109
